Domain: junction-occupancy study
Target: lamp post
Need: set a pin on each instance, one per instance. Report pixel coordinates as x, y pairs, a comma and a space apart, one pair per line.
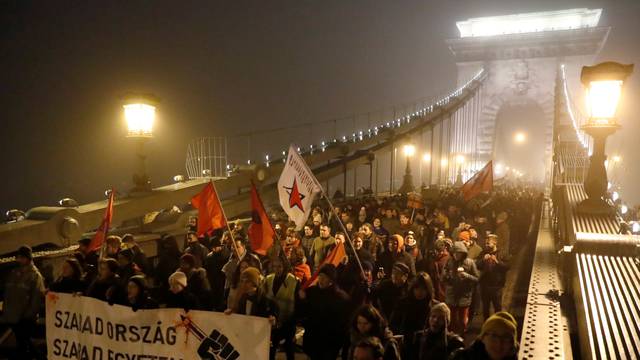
140, 113
407, 182
459, 162
604, 88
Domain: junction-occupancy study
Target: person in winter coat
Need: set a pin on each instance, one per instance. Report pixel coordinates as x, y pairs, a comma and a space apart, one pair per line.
387, 293
194, 247
197, 281
368, 322
307, 238
461, 278
370, 241
437, 263
412, 247
497, 341
70, 280
127, 268
179, 296
167, 262
361, 251
137, 296
493, 274
323, 309
396, 254
107, 286
139, 257
213, 264
411, 312
282, 288
90, 256
436, 342
321, 246
253, 301
23, 297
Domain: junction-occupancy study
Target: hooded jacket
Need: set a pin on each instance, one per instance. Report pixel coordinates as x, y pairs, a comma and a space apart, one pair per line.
459, 288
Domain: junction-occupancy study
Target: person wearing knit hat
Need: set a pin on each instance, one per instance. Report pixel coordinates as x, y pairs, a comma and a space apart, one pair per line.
497, 341
326, 309
179, 296
498, 334
460, 277
177, 281
137, 296
436, 342
391, 289
251, 277
507, 316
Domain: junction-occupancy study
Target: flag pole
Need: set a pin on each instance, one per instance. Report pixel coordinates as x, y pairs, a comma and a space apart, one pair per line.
103, 246
346, 234
226, 221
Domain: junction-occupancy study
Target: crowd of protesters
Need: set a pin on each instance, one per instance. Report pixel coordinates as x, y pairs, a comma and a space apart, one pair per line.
408, 288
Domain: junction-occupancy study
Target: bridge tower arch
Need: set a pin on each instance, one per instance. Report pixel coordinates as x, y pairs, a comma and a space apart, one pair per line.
522, 54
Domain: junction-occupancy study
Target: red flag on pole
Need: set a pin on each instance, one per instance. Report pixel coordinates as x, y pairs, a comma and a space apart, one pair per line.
260, 231
101, 234
210, 215
335, 257
480, 182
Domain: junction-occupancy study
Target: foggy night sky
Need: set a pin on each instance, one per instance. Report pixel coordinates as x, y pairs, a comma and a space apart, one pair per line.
221, 68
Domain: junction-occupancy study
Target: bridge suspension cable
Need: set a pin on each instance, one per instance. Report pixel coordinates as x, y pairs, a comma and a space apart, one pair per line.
372, 129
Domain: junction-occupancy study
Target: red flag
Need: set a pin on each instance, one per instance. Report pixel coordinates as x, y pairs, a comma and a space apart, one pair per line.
480, 182
210, 215
260, 231
335, 257
101, 234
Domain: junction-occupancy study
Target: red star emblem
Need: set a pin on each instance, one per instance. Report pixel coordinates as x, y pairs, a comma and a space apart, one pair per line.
295, 197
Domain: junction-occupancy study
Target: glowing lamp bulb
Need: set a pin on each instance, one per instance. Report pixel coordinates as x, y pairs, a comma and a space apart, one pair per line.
520, 137
409, 150
140, 118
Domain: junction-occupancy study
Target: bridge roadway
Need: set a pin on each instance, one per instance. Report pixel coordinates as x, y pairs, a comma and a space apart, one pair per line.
584, 294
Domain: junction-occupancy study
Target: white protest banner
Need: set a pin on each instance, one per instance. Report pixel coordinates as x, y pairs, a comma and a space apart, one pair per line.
297, 188
85, 328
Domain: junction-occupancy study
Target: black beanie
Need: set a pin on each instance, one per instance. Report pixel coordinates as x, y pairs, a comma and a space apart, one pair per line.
25, 251
140, 281
329, 270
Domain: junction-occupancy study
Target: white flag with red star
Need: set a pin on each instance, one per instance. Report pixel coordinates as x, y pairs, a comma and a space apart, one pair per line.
297, 188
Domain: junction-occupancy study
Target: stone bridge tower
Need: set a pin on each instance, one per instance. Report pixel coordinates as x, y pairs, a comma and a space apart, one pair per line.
522, 54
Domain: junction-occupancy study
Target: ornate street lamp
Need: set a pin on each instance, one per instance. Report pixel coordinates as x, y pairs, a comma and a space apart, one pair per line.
604, 89
140, 114
407, 182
